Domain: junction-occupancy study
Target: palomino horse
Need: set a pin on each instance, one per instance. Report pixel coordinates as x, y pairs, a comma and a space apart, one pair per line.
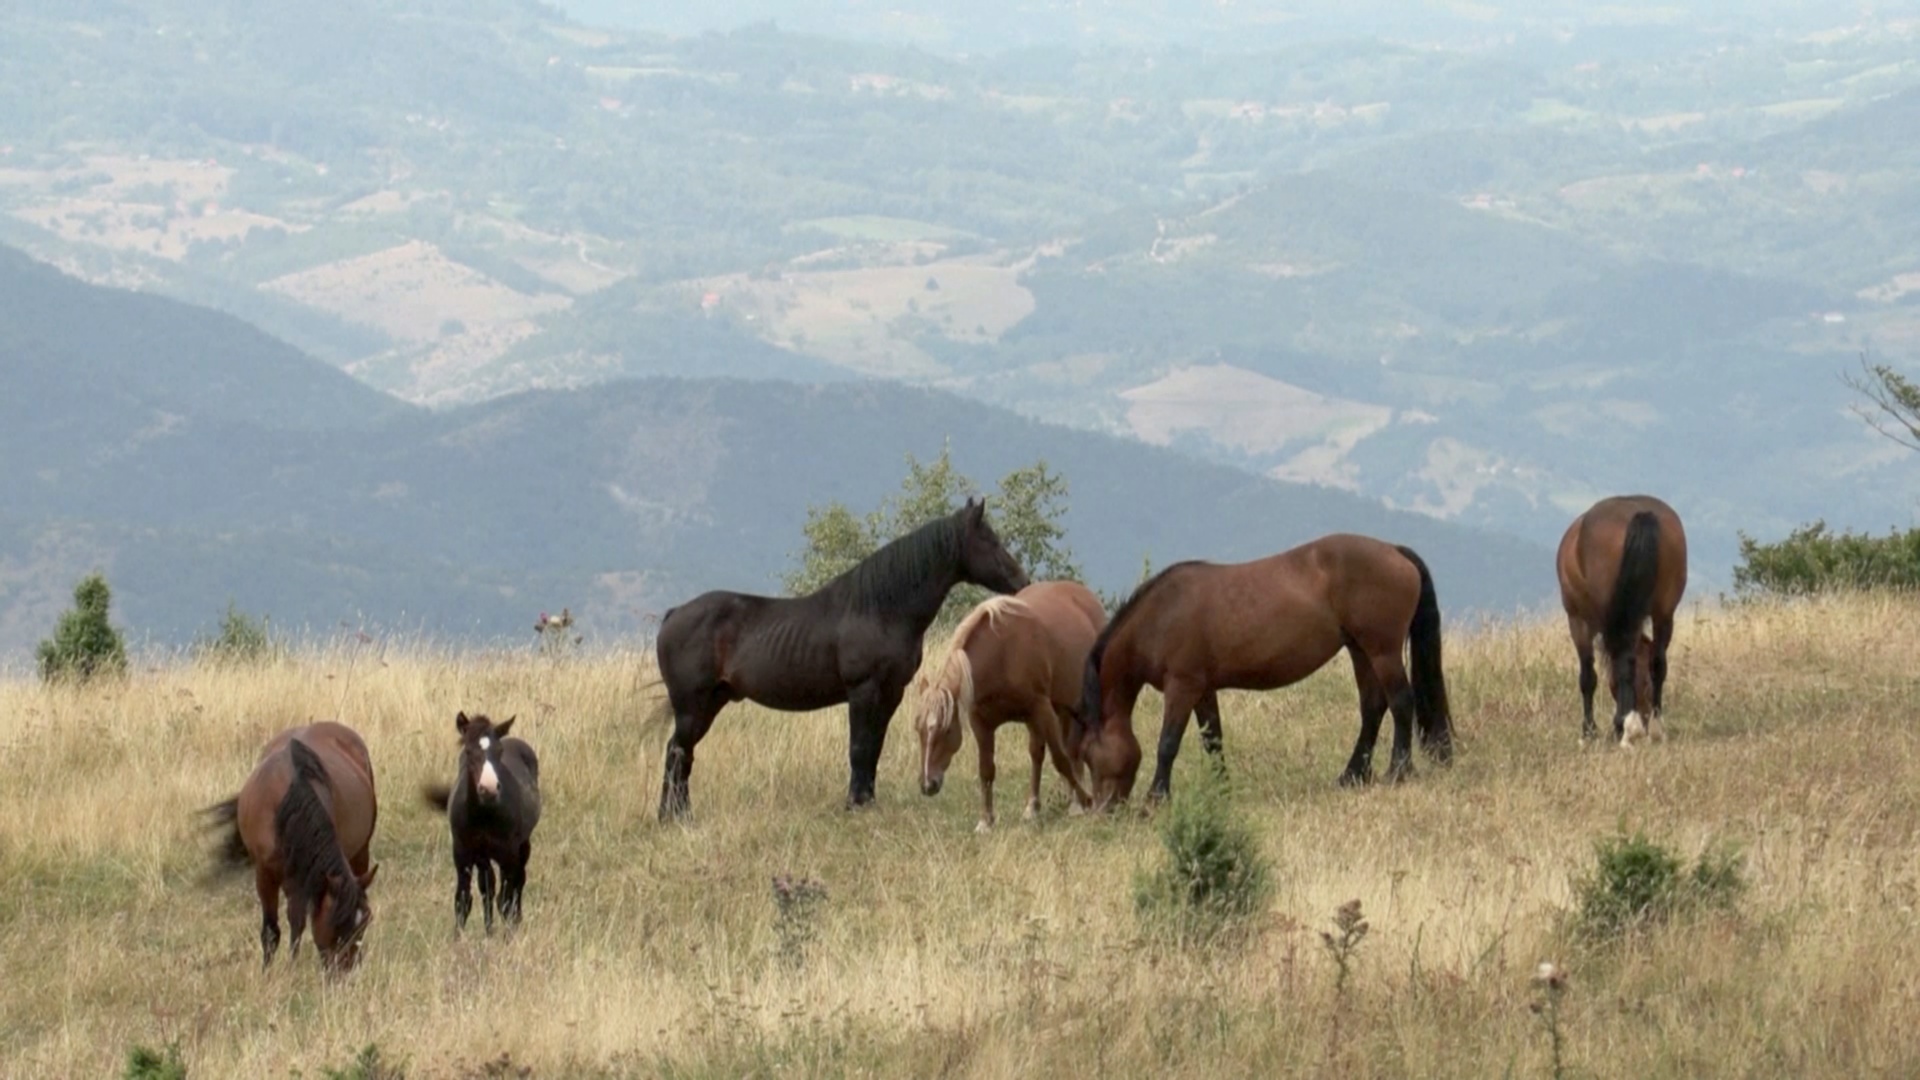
304, 820
492, 808
856, 640
1197, 628
1012, 659
1623, 569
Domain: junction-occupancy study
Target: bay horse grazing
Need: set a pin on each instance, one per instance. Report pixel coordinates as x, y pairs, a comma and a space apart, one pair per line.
1013, 659
1197, 628
304, 821
856, 639
1623, 569
492, 808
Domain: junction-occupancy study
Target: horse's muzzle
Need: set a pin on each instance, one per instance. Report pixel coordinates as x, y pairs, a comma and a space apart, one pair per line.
930, 785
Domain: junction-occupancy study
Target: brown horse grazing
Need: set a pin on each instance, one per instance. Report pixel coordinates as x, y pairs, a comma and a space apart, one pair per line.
1623, 569
1013, 659
492, 808
304, 820
1197, 628
856, 639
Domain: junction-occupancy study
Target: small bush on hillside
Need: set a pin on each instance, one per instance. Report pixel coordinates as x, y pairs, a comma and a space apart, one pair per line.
367, 1065
1214, 873
144, 1063
84, 644
242, 639
1812, 559
1637, 882
796, 906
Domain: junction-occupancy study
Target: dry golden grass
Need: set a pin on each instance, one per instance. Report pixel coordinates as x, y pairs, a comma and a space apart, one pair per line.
652, 950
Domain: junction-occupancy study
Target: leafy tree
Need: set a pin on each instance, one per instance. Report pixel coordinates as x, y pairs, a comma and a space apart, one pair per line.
84, 644
1026, 512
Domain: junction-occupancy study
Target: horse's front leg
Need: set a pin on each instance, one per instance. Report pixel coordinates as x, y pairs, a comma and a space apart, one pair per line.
462, 893
1180, 701
870, 709
1037, 752
983, 737
1207, 711
486, 890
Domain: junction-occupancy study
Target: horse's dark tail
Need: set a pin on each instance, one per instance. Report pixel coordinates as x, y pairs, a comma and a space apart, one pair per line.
231, 855
437, 796
1430, 708
1633, 588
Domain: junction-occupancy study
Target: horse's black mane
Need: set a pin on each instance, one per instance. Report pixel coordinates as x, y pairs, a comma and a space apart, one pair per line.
308, 843
893, 574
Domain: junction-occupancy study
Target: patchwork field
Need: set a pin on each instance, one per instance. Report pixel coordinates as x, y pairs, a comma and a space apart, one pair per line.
657, 951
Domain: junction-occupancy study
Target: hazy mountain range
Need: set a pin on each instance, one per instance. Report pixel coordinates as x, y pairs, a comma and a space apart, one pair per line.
1483, 264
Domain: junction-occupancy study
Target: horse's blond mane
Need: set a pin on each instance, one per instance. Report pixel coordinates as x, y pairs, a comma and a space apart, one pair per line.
951, 680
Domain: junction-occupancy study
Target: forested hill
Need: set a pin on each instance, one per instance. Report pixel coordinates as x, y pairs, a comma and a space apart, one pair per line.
199, 462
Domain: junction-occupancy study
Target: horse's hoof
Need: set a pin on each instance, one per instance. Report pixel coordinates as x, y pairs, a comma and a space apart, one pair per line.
1076, 808
1352, 779
983, 826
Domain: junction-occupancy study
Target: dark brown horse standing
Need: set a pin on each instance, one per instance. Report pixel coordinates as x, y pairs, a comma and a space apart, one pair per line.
1197, 628
304, 821
856, 640
1623, 569
1013, 659
491, 808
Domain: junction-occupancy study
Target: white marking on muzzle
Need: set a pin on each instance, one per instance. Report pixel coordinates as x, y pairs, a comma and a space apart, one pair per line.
489, 780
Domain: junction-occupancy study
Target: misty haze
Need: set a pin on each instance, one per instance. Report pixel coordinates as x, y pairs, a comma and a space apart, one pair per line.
362, 339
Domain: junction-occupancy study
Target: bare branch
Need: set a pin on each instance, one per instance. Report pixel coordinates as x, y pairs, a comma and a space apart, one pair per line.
1892, 405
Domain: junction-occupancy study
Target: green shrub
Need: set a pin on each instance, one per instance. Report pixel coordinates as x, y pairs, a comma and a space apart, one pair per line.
144, 1063
84, 644
242, 639
1637, 882
1812, 559
367, 1065
1213, 874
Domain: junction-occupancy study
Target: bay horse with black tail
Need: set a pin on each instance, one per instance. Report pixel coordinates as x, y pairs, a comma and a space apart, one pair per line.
1623, 570
1197, 628
1013, 659
304, 821
857, 639
492, 808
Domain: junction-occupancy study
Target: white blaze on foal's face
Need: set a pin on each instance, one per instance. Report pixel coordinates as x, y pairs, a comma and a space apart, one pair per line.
489, 780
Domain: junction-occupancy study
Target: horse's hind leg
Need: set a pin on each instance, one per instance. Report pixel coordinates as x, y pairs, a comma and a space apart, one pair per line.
1373, 706
1392, 676
1037, 753
513, 883
268, 890
1211, 740
1589, 682
1662, 637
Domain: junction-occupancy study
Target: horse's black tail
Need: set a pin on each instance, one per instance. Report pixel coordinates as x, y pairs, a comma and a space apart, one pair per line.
1633, 588
231, 855
1430, 708
437, 796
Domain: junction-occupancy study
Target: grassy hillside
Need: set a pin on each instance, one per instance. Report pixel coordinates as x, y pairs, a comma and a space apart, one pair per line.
651, 951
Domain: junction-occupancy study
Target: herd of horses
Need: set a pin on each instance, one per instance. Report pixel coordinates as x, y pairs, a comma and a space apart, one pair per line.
1043, 654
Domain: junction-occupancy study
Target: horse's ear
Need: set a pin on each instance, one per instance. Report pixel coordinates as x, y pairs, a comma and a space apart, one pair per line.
500, 729
977, 510
460, 722
366, 879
